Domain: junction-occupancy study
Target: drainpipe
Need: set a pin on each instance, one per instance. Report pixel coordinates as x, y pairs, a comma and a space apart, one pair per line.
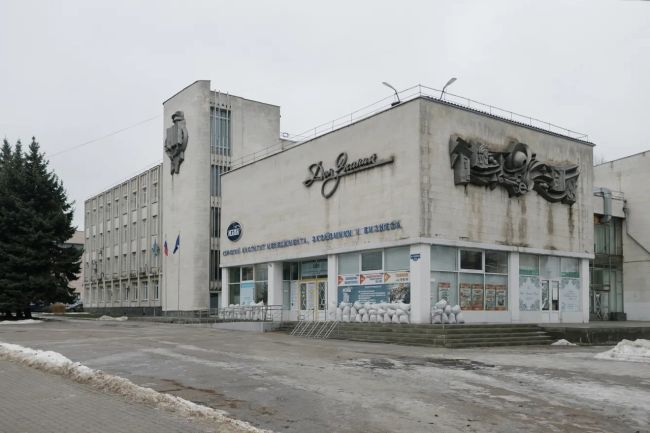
626, 211
607, 203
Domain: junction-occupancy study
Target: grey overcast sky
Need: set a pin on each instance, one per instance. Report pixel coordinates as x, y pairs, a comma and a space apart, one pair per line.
73, 71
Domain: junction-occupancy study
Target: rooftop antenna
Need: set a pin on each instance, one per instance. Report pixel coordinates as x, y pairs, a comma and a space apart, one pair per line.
396, 94
449, 83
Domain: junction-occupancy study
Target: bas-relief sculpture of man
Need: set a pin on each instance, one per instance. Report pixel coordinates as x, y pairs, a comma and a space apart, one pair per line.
176, 142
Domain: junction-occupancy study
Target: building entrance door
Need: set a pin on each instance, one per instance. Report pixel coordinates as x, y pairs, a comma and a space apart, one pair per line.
313, 299
551, 301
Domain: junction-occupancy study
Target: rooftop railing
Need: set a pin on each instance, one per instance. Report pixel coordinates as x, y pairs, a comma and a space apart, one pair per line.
418, 91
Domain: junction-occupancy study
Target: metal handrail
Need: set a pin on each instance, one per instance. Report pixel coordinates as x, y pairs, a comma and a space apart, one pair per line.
405, 95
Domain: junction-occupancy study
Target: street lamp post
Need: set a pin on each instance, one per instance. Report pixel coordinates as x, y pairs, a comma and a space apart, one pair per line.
394, 90
450, 82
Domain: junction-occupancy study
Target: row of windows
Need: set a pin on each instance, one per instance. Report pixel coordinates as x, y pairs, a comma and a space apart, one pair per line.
220, 131
126, 293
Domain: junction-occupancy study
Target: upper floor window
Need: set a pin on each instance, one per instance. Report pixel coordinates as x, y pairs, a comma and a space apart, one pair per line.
220, 131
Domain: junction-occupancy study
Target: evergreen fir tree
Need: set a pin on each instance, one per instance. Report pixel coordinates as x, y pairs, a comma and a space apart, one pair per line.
35, 222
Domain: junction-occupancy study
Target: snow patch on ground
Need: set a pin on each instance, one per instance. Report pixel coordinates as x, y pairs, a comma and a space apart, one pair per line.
562, 342
626, 350
118, 319
20, 322
53, 362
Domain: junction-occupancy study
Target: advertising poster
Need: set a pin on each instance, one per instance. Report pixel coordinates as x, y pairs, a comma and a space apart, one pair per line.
477, 296
490, 297
246, 292
529, 293
465, 292
400, 293
401, 277
348, 280
373, 294
443, 290
501, 297
570, 295
371, 279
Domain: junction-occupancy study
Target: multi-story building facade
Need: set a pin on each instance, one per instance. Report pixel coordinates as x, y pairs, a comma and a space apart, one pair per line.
123, 249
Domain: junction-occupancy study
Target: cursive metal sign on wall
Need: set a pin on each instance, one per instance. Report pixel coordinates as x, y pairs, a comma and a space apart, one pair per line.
332, 177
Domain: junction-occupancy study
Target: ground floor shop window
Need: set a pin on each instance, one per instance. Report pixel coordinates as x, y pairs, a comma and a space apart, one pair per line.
248, 284
474, 279
549, 283
304, 285
376, 276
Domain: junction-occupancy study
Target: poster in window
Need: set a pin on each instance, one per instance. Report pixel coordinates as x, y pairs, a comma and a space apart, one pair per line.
373, 294
490, 297
371, 278
246, 293
529, 293
348, 280
400, 293
570, 295
477, 296
501, 297
443, 290
400, 277
311, 296
465, 292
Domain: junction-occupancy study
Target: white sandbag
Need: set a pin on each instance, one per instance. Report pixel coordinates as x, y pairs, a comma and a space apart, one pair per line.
365, 317
405, 307
346, 318
367, 305
390, 312
346, 310
339, 314
448, 310
455, 309
358, 318
445, 318
363, 311
441, 304
400, 312
404, 318
386, 318
372, 318
357, 305
460, 318
452, 318
353, 311
437, 319
395, 319
437, 312
381, 311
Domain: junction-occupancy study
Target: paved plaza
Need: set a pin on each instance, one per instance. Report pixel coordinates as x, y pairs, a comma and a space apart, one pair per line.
289, 384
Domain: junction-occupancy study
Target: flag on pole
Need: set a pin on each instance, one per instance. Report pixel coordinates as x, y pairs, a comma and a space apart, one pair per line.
166, 251
155, 249
178, 243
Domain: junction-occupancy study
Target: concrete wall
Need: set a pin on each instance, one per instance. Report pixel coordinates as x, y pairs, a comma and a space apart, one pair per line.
489, 216
629, 175
270, 201
186, 204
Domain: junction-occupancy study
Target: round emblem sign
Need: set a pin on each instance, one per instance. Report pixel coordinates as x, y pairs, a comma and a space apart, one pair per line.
234, 231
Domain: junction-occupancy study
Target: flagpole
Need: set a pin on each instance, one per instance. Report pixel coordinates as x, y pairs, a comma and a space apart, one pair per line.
178, 288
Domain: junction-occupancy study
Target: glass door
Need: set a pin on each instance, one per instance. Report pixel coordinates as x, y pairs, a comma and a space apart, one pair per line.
312, 299
550, 300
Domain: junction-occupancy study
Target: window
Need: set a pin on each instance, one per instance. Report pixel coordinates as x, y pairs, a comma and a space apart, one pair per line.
220, 131
127, 291
474, 285
397, 259
371, 261
156, 291
349, 264
247, 273
215, 179
471, 260
143, 228
215, 221
154, 225
145, 290
234, 283
549, 283
134, 230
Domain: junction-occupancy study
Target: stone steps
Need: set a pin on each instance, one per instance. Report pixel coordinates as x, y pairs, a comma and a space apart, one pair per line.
450, 336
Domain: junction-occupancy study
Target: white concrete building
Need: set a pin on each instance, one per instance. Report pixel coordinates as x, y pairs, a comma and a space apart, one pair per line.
122, 252
423, 201
621, 270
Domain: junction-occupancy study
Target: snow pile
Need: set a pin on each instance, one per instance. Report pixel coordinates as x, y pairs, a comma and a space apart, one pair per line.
383, 312
20, 322
562, 342
56, 363
626, 350
117, 319
444, 313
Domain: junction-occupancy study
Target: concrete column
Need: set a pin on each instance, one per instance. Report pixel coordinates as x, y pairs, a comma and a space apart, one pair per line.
332, 284
275, 283
225, 287
584, 289
513, 286
420, 270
